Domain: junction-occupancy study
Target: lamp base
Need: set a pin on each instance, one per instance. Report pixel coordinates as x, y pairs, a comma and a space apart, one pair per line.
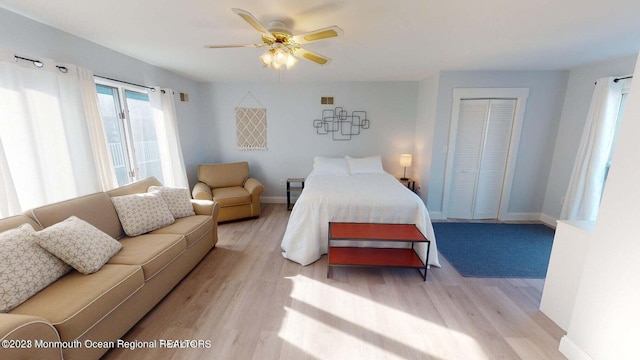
404, 178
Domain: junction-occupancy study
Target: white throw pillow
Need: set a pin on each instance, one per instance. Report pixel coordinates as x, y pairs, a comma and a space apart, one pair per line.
25, 267
178, 200
330, 166
366, 165
141, 213
78, 243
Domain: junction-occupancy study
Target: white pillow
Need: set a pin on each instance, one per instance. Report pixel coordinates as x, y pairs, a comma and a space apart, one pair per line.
366, 165
78, 243
25, 267
141, 213
330, 166
178, 200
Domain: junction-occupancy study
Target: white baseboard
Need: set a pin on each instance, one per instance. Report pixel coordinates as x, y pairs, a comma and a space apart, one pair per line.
521, 217
273, 199
569, 349
548, 220
437, 215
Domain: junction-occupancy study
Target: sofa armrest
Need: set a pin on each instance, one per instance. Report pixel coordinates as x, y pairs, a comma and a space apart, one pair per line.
205, 207
202, 191
254, 187
23, 331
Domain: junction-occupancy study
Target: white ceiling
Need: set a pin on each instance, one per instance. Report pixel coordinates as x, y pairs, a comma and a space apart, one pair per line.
383, 39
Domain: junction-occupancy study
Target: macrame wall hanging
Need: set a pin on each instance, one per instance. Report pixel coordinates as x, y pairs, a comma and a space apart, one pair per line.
251, 124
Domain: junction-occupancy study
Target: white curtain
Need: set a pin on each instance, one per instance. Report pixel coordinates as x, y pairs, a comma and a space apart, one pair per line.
174, 173
45, 151
587, 179
104, 167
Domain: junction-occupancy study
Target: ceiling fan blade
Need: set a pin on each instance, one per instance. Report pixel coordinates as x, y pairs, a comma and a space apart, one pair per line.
309, 55
253, 22
320, 34
233, 46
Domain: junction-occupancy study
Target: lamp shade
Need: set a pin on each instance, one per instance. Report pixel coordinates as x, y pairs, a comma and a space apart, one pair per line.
405, 160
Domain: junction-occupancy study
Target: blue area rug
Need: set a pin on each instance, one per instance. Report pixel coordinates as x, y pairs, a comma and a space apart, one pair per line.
496, 250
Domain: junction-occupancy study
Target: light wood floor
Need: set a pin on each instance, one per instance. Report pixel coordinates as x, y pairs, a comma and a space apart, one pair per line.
251, 303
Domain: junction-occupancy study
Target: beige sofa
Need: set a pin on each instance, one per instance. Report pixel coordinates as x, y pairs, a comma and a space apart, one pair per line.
95, 309
231, 186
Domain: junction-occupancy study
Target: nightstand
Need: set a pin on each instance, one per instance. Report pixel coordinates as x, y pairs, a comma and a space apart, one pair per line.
410, 183
294, 190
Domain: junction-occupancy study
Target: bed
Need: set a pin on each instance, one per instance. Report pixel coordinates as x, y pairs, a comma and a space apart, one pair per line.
351, 190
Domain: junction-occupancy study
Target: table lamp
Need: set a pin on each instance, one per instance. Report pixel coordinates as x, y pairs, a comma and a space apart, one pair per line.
405, 160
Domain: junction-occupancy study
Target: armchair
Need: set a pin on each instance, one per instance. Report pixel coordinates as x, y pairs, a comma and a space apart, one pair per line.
231, 186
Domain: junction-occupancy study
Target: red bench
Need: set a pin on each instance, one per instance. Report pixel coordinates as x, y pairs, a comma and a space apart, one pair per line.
373, 256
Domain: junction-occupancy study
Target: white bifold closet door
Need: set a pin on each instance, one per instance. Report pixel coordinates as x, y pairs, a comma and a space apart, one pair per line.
483, 136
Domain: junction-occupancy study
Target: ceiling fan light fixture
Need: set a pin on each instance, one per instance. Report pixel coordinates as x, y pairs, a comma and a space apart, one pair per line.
267, 57
291, 60
278, 57
281, 44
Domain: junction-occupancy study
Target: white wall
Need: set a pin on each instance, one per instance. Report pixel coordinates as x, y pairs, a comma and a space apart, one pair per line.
539, 129
574, 113
606, 316
32, 39
291, 138
425, 123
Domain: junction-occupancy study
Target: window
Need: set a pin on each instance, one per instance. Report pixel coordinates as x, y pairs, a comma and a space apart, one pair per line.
131, 132
623, 104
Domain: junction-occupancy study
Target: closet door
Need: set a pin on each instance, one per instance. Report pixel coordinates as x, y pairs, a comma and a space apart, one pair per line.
467, 155
482, 145
494, 159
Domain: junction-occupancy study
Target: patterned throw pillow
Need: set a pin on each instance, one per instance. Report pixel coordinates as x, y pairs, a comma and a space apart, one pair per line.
25, 267
78, 243
178, 200
141, 213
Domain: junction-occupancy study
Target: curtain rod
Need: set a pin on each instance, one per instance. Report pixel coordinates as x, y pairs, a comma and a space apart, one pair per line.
126, 82
622, 78
63, 69
39, 64
618, 79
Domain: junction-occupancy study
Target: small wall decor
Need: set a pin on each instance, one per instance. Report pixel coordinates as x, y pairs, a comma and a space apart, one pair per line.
340, 124
251, 126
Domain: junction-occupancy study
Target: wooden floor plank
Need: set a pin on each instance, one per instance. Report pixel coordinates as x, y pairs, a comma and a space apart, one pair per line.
251, 303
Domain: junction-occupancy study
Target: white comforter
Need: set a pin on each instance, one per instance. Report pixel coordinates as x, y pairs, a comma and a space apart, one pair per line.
373, 198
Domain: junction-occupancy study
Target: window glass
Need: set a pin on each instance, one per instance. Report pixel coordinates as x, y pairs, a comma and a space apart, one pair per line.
131, 134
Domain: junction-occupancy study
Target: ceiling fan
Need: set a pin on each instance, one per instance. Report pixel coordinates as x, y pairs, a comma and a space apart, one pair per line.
282, 46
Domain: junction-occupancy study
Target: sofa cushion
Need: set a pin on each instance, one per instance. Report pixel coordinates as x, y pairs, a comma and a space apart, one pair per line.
76, 301
96, 209
141, 213
230, 196
25, 267
151, 251
78, 243
178, 200
224, 175
192, 227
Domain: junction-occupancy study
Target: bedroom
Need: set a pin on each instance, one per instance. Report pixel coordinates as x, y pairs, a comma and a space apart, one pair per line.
563, 100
